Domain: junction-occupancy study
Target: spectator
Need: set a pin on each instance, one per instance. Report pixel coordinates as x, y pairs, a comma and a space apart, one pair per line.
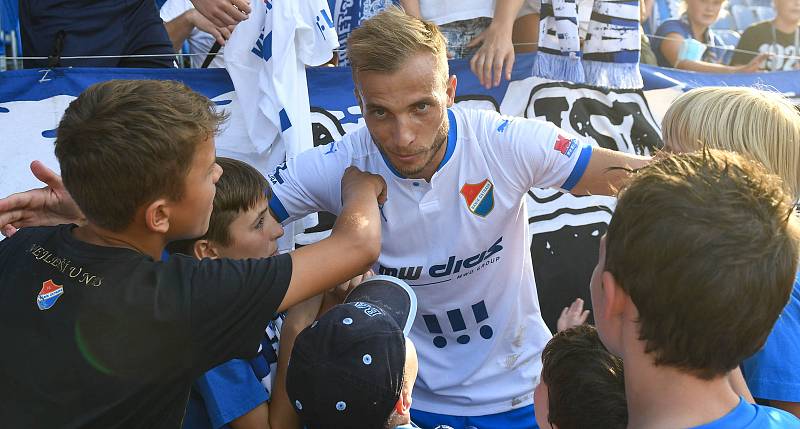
185, 23
582, 384
689, 43
132, 332
779, 37
59, 28
485, 30
355, 367
763, 126
686, 312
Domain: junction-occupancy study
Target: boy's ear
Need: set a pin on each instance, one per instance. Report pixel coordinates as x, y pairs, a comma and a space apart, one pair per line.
205, 249
156, 216
615, 297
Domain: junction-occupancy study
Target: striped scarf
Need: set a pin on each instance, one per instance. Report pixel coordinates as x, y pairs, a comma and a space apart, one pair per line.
610, 54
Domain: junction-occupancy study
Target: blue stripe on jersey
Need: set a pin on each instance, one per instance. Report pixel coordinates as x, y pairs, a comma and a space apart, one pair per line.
452, 136
579, 169
277, 208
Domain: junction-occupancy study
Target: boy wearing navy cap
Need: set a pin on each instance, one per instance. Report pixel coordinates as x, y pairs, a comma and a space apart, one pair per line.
355, 367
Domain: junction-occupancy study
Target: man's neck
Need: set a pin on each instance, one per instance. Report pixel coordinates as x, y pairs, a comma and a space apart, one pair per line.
143, 242
665, 397
785, 25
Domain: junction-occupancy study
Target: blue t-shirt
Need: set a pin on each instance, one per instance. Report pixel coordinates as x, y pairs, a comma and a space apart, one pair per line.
751, 416
234, 388
717, 51
774, 372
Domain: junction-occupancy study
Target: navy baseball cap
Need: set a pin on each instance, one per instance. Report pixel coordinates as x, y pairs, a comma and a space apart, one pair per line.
346, 369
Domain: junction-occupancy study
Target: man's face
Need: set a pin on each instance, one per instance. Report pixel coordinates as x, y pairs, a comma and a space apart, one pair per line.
190, 215
253, 233
406, 113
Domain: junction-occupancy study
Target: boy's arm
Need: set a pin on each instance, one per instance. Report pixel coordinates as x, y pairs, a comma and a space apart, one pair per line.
257, 418
282, 414
352, 247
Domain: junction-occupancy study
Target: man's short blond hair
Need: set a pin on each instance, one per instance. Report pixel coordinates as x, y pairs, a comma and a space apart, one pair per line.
761, 125
386, 41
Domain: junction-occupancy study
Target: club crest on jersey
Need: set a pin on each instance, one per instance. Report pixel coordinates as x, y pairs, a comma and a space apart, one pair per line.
49, 295
565, 146
479, 197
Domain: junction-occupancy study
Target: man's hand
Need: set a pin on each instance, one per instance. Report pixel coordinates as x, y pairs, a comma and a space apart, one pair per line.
356, 181
572, 316
51, 205
223, 13
221, 34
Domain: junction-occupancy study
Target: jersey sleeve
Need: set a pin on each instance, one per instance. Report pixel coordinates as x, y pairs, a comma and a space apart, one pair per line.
309, 182
173, 8
229, 391
534, 153
232, 301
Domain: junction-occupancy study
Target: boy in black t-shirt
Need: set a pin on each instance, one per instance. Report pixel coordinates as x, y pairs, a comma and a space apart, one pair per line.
99, 331
779, 37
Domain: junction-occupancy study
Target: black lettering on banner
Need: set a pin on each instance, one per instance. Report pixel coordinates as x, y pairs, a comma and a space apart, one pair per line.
614, 119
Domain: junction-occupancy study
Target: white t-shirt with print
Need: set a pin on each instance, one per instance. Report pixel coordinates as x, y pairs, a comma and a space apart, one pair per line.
461, 241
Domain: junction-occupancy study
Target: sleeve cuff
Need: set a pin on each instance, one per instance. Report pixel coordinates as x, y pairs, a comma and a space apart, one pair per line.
579, 168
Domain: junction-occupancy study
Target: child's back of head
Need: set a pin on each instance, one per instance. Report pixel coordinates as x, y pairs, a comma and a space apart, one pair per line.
582, 384
706, 246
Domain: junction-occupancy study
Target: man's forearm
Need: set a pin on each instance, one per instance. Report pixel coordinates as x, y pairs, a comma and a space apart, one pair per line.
179, 29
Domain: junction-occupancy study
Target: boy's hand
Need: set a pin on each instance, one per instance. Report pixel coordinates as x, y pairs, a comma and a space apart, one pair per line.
572, 316
356, 181
51, 205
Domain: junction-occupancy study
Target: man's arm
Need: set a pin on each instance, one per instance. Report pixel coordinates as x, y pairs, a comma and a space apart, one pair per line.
352, 247
792, 407
411, 7
607, 171
223, 12
181, 27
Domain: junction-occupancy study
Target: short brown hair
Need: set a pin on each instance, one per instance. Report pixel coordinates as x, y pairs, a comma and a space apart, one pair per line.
706, 246
585, 383
125, 143
239, 189
386, 41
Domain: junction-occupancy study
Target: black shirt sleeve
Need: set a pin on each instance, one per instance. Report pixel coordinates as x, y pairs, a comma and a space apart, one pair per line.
231, 303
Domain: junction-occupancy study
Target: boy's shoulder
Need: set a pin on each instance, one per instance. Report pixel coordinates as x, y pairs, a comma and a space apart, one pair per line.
753, 416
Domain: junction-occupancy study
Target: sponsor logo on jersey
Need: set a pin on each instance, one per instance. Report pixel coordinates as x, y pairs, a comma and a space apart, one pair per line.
479, 197
48, 295
503, 125
565, 146
452, 266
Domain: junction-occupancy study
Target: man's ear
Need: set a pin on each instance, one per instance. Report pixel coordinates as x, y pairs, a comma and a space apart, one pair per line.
403, 405
452, 82
205, 249
613, 294
156, 216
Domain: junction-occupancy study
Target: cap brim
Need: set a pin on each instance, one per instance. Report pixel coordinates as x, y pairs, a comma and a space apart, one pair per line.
391, 294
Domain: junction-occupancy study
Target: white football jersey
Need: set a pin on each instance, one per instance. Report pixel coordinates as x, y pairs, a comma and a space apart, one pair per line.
461, 241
